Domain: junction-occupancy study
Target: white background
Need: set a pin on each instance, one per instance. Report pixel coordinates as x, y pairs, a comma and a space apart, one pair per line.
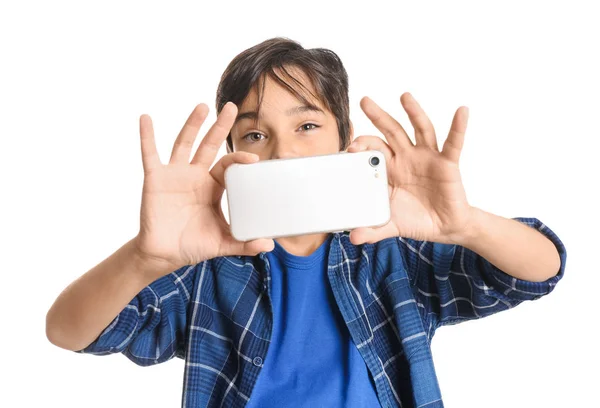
76, 76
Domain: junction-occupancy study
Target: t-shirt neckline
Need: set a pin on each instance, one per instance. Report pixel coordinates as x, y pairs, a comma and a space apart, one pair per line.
298, 261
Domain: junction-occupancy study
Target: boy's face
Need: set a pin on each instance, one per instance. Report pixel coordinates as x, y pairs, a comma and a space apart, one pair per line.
282, 132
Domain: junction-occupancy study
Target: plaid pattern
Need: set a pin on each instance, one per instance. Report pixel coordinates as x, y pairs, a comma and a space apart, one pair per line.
393, 295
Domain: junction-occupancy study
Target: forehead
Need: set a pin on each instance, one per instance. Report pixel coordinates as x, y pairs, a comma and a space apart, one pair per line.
273, 93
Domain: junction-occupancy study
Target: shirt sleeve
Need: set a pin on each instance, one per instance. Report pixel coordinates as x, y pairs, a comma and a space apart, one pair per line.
152, 327
453, 284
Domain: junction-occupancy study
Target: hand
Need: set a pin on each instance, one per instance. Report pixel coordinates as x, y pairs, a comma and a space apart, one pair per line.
181, 221
427, 197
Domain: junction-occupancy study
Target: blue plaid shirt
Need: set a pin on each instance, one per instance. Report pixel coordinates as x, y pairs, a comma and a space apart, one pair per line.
393, 295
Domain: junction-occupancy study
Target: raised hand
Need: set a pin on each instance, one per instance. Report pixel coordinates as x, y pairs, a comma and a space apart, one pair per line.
181, 221
427, 197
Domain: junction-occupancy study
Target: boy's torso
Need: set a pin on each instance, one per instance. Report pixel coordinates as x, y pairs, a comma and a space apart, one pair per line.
231, 323
392, 295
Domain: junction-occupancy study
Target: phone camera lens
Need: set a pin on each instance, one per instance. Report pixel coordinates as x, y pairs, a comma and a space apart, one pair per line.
374, 161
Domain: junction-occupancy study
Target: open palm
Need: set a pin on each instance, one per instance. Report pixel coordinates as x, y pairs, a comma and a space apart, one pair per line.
427, 197
181, 221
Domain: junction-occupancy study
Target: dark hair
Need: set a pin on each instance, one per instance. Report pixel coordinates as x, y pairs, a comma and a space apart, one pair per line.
323, 67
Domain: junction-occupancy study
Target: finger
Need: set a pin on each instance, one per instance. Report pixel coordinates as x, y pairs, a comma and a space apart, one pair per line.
391, 129
216, 135
150, 158
454, 143
218, 170
253, 247
363, 143
359, 236
424, 131
183, 144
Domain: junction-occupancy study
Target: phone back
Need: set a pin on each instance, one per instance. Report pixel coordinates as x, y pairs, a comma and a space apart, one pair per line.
305, 195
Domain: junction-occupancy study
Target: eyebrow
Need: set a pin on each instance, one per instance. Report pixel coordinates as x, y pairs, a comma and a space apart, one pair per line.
290, 112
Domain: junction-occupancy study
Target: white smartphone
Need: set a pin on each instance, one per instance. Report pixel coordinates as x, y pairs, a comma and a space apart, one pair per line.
307, 195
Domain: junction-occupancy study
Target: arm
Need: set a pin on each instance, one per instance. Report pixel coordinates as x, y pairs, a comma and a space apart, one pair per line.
452, 283
153, 326
522, 252
131, 303
92, 314
92, 301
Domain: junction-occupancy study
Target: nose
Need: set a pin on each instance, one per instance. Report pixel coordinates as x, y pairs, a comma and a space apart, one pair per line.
284, 151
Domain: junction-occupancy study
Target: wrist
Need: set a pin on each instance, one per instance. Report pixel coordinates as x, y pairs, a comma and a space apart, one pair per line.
473, 228
147, 267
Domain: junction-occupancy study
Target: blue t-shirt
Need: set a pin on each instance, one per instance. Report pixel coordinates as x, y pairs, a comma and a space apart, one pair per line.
311, 361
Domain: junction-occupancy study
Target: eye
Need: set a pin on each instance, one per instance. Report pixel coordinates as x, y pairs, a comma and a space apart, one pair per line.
250, 134
310, 124
249, 139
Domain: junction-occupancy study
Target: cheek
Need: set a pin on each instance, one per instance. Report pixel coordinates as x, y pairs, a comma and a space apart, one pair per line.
330, 138
323, 143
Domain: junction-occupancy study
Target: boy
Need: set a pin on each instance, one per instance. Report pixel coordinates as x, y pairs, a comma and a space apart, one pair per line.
335, 319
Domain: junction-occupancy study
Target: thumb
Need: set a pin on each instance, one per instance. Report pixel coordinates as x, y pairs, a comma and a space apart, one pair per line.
253, 247
361, 235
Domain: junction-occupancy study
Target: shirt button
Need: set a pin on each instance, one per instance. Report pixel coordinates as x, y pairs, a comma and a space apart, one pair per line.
257, 361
